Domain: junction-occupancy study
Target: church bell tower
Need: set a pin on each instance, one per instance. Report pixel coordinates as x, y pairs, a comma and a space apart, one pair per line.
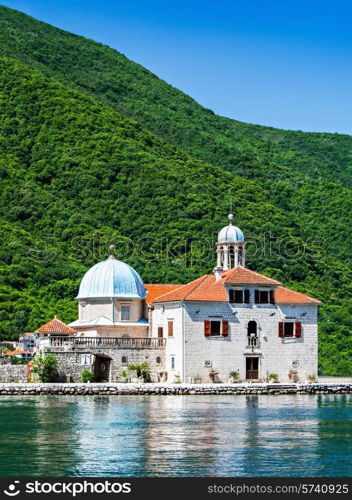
230, 247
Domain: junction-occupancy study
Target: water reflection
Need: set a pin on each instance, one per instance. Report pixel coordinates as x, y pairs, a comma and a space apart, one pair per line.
176, 436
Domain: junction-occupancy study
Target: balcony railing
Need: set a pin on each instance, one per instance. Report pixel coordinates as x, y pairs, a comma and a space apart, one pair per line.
77, 342
252, 342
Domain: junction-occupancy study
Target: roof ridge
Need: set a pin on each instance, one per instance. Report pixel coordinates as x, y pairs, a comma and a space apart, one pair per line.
193, 282
54, 320
239, 268
165, 284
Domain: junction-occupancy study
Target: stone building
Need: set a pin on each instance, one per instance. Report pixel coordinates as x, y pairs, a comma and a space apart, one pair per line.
234, 320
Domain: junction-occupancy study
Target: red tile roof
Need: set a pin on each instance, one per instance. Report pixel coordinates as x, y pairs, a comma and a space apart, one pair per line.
206, 288
287, 296
242, 275
55, 326
155, 290
186, 292
17, 351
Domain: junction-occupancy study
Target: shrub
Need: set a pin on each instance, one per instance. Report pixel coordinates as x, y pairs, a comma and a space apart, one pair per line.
17, 361
45, 367
142, 370
87, 375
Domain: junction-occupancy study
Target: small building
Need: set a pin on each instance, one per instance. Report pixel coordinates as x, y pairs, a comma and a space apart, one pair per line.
21, 354
27, 341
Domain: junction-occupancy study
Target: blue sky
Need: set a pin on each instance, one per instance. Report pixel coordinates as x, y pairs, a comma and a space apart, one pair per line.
282, 63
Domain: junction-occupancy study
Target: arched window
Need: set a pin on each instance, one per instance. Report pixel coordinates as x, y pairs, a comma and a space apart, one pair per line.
252, 333
252, 328
158, 360
124, 360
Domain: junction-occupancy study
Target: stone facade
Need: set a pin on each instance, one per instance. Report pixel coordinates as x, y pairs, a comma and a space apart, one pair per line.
196, 355
72, 363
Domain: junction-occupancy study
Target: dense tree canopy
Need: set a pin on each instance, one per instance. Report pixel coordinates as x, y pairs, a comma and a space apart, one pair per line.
95, 150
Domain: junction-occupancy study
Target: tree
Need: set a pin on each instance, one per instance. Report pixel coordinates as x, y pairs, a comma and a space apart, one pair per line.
45, 367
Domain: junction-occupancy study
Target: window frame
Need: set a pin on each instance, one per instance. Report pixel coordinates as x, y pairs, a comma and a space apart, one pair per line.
245, 296
258, 296
297, 329
125, 307
219, 321
172, 362
291, 323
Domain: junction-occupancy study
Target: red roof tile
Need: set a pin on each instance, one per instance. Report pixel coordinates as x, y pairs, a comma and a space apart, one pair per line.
287, 296
55, 326
155, 290
203, 288
242, 275
17, 351
206, 288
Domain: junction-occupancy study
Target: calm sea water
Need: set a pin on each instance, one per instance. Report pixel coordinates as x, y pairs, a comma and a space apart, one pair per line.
176, 436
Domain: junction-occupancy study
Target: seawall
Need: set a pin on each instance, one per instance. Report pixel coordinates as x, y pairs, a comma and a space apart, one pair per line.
37, 389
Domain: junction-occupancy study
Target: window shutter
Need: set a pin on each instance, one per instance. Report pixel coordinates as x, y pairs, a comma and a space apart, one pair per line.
160, 332
206, 328
256, 297
225, 328
298, 329
272, 297
170, 328
281, 329
246, 296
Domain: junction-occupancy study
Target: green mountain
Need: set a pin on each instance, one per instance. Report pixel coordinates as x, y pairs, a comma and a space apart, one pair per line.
96, 150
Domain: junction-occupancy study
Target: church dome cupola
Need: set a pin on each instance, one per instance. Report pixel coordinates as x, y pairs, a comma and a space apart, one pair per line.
111, 278
230, 233
230, 246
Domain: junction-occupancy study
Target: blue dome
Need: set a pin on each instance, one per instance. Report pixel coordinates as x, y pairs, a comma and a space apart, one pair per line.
111, 278
230, 234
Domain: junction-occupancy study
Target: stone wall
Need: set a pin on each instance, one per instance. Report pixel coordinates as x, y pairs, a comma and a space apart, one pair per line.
172, 389
72, 363
326, 379
13, 373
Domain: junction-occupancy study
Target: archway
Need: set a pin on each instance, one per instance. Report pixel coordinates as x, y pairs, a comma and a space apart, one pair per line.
102, 368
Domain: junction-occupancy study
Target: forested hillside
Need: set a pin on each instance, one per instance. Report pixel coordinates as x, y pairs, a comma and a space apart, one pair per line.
137, 93
78, 174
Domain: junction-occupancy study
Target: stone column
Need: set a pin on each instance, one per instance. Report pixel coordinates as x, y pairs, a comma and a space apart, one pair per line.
226, 258
236, 255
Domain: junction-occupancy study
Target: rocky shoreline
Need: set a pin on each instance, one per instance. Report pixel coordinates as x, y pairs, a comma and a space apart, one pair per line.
26, 389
